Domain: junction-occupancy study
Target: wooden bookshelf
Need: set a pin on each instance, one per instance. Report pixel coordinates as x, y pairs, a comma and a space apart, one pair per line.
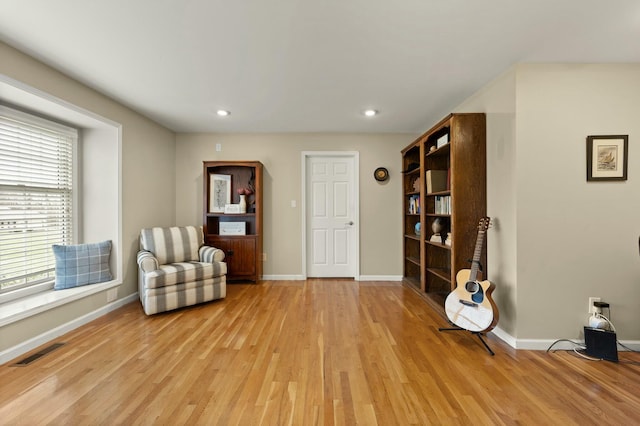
430, 267
243, 253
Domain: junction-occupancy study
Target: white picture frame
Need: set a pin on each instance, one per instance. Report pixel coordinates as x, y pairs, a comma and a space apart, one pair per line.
442, 140
219, 192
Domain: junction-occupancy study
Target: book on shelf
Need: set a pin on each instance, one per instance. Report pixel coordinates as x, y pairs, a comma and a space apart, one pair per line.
414, 204
442, 204
436, 180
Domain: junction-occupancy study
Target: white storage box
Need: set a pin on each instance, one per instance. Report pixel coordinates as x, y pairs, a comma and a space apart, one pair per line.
233, 228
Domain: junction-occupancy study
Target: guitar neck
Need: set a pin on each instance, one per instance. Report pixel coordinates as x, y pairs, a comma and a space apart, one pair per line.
475, 265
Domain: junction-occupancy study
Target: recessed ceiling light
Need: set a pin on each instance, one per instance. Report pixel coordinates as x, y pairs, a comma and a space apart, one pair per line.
370, 112
222, 113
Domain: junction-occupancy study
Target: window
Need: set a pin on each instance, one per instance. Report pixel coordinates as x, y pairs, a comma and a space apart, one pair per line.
36, 197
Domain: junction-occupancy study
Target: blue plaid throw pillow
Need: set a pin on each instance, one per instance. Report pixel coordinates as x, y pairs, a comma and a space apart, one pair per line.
82, 264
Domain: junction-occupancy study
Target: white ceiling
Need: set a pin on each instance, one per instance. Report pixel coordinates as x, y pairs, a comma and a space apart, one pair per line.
310, 66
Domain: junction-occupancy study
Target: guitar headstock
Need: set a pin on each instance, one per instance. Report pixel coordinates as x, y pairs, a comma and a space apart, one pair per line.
484, 224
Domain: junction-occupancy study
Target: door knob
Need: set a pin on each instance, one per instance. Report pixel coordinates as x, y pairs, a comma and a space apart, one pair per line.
350, 222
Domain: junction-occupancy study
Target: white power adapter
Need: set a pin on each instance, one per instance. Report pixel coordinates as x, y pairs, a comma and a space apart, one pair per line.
596, 321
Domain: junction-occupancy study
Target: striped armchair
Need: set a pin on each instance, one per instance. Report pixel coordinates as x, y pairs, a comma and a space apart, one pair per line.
175, 269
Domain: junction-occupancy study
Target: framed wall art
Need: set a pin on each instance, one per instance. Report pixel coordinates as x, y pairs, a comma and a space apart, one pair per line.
220, 192
607, 157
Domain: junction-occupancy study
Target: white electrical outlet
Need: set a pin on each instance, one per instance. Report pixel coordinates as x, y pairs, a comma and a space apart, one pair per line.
592, 308
112, 294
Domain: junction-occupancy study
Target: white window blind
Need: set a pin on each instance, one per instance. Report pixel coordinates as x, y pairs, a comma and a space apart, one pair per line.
36, 196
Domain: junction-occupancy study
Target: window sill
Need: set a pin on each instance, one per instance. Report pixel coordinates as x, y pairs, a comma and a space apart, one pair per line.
28, 306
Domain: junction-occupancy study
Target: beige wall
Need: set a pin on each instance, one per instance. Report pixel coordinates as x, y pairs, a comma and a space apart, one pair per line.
573, 239
380, 208
147, 168
497, 100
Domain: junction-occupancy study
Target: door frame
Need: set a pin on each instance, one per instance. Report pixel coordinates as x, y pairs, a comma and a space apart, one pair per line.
355, 155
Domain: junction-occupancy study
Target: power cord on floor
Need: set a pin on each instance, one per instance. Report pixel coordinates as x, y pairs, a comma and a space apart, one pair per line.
580, 348
581, 355
577, 350
580, 345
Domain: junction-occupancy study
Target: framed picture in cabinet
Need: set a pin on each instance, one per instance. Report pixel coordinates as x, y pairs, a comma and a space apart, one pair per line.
219, 192
607, 157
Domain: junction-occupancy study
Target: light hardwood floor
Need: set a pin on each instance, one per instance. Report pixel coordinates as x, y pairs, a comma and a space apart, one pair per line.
303, 353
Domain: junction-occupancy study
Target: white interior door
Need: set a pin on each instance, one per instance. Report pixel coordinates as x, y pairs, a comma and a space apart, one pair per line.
331, 216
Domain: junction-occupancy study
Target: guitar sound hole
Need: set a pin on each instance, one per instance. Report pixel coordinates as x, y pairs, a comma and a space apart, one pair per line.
472, 287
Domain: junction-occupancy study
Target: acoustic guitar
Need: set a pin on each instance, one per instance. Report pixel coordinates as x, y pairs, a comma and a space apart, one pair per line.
470, 305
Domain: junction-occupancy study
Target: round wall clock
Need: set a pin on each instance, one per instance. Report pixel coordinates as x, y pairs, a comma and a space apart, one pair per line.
381, 174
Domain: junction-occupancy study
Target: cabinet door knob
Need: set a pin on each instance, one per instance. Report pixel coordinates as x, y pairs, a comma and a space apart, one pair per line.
230, 252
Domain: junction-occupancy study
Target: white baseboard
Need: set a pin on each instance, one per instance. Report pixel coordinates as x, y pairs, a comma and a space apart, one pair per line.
544, 344
362, 277
560, 344
283, 277
380, 278
567, 344
504, 336
634, 345
26, 346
